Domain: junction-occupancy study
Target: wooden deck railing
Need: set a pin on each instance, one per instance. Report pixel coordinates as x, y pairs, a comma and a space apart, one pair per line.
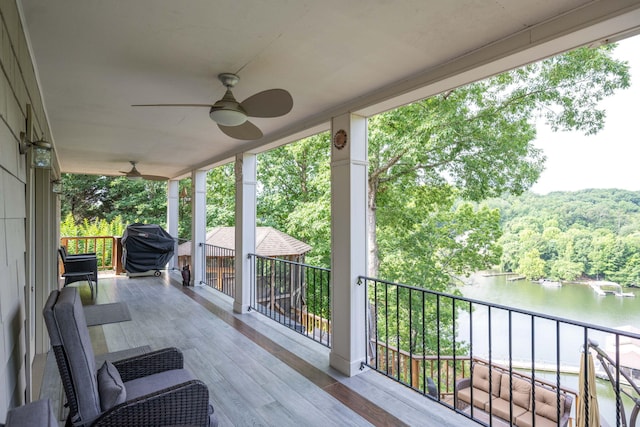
412, 370
312, 321
108, 250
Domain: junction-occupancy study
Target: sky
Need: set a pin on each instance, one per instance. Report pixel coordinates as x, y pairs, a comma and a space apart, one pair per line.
609, 159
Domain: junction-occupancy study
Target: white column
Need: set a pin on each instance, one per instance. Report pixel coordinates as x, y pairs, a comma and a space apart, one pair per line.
245, 169
44, 263
198, 225
348, 241
173, 217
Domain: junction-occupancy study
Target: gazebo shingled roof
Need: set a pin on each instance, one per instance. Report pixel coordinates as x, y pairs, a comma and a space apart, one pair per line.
269, 242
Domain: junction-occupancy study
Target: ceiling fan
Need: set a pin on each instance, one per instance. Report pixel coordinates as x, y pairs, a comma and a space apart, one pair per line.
134, 174
231, 115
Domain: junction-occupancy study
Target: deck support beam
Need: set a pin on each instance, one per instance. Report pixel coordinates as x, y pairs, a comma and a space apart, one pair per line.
173, 217
198, 225
245, 238
349, 168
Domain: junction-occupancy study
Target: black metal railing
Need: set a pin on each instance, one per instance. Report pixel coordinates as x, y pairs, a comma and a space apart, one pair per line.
433, 343
219, 268
294, 294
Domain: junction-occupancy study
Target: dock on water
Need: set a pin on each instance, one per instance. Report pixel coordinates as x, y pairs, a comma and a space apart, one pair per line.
497, 273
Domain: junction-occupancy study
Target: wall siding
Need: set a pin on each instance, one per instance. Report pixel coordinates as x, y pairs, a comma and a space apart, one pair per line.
18, 88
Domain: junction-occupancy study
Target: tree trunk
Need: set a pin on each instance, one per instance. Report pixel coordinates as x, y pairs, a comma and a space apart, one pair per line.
372, 241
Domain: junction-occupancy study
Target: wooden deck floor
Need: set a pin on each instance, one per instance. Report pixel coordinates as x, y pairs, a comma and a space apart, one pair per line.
258, 372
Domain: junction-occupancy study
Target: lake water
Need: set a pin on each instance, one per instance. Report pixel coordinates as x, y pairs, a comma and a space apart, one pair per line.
575, 302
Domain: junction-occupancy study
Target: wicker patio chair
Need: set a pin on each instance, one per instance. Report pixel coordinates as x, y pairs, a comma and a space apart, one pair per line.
65, 254
153, 389
80, 268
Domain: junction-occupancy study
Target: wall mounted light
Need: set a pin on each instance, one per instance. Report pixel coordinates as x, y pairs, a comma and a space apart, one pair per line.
56, 186
41, 156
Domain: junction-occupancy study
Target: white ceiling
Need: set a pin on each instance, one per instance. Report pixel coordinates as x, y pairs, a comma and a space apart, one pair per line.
95, 58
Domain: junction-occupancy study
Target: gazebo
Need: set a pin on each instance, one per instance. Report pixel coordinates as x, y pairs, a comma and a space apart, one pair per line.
269, 243
279, 288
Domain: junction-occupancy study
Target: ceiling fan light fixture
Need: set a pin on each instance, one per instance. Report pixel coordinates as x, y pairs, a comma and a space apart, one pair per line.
227, 116
227, 111
232, 116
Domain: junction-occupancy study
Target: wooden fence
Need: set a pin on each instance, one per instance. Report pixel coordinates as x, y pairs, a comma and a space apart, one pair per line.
108, 250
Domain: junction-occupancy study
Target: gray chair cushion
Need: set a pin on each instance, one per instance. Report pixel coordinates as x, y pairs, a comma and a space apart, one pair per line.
151, 383
110, 386
38, 413
74, 334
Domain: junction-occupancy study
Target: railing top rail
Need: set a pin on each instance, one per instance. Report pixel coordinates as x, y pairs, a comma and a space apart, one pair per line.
88, 237
290, 262
217, 247
508, 308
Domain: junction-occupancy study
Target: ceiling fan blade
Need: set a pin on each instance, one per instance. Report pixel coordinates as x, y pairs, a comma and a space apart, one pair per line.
155, 178
246, 131
171, 105
268, 103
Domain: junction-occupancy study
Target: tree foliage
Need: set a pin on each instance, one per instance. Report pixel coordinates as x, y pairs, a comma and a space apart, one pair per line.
294, 193
477, 139
104, 197
570, 235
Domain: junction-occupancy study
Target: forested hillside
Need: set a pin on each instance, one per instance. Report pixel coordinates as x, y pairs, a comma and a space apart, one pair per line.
569, 235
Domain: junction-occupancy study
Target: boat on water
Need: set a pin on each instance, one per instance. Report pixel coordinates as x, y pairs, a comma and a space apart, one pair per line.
550, 283
604, 287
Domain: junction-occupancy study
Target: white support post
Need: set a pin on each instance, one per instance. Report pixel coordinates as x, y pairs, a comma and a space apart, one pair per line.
348, 241
245, 168
198, 225
173, 218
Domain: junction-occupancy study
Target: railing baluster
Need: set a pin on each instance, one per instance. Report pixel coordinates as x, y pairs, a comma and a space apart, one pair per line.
424, 349
619, 407
558, 362
533, 367
397, 315
375, 322
510, 336
438, 341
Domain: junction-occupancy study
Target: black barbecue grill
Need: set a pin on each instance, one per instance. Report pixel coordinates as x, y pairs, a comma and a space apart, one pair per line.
147, 248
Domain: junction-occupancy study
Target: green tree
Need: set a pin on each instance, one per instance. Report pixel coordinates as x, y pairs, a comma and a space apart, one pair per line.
221, 192
531, 265
103, 197
85, 196
592, 233
429, 239
564, 269
479, 137
295, 193
138, 201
